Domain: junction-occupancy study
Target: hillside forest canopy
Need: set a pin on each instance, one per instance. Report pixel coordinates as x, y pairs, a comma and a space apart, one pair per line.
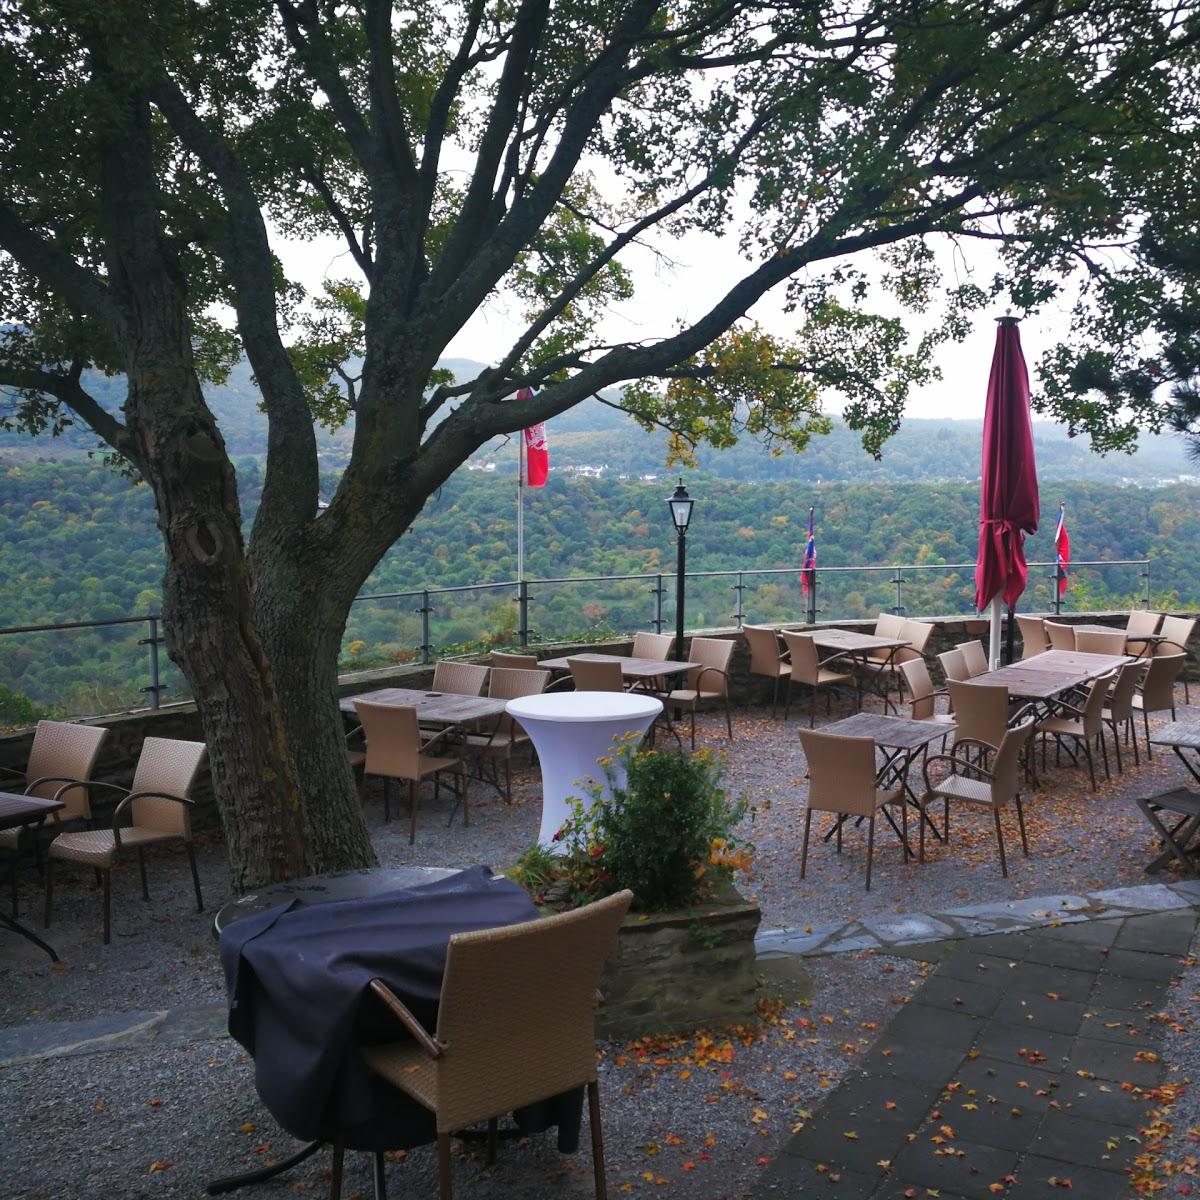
152, 151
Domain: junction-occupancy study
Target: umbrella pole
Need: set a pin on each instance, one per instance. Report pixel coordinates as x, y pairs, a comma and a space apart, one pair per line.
994, 639
1008, 637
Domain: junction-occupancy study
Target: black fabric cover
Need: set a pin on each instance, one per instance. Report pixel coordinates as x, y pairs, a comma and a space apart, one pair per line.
297, 977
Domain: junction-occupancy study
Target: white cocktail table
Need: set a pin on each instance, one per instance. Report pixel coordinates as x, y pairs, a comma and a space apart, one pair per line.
570, 731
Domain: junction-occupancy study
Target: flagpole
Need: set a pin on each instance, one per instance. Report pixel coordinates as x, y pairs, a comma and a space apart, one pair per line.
520, 513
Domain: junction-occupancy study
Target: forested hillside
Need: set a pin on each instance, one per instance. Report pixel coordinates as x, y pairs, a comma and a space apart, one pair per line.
78, 542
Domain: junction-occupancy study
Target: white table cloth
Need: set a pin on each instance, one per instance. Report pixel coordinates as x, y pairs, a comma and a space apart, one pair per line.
571, 731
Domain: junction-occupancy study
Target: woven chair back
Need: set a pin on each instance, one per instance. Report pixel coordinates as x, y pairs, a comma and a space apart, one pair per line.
459, 679
592, 676
514, 662
537, 983
1006, 766
1120, 699
170, 766
652, 645
1158, 687
65, 750
980, 710
841, 772
1093, 708
888, 625
1062, 637
1033, 636
917, 635
1092, 641
1178, 631
713, 653
1143, 621
953, 665
393, 739
974, 658
802, 650
508, 684
920, 688
764, 650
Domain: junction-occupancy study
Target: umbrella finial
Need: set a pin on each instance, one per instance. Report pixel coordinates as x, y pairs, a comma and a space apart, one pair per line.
1007, 319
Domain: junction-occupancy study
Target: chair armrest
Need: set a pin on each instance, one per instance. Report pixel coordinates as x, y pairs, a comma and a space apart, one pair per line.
402, 1013
711, 670
437, 737
957, 763
351, 733
11, 773
68, 782
823, 662
139, 796
1026, 711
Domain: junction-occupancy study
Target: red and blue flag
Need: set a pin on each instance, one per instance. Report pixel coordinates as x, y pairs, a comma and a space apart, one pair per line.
1062, 550
808, 572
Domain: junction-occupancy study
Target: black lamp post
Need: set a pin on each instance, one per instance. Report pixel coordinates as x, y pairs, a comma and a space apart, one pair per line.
680, 504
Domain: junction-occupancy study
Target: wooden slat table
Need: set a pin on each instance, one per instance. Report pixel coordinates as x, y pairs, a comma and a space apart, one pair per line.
857, 646
434, 708
17, 811
1047, 675
1181, 736
639, 669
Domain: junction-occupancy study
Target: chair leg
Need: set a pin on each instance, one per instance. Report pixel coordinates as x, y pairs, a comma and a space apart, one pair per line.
1146, 727
728, 719
191, 853
804, 849
107, 885
870, 848
694, 726
1117, 749
443, 1144
142, 869
1087, 749
1132, 736
412, 811
492, 1141
335, 1175
508, 778
775, 697
1021, 823
812, 709
593, 1093
1000, 843
378, 1175
387, 799
49, 890
461, 788
1104, 753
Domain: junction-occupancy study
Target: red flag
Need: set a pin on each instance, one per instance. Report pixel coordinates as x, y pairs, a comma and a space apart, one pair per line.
537, 456
809, 570
1062, 549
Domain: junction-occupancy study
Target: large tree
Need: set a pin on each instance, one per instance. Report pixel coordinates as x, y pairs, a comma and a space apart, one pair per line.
522, 153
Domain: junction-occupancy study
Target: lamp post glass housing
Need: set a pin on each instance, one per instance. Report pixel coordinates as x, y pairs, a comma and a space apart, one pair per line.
680, 504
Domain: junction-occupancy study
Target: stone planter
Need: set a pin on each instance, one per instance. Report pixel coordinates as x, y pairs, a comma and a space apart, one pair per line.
679, 970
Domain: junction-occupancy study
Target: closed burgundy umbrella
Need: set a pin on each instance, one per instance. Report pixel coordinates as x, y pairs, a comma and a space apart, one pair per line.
1008, 504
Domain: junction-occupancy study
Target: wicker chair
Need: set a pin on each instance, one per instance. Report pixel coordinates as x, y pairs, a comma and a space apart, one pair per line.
1157, 690
808, 669
974, 658
972, 784
505, 734
514, 662
538, 982
708, 681
1062, 637
884, 665
766, 660
1082, 725
1092, 641
1141, 621
924, 697
596, 675
61, 753
652, 645
396, 750
459, 678
843, 779
1118, 711
158, 806
1178, 632
981, 711
1033, 636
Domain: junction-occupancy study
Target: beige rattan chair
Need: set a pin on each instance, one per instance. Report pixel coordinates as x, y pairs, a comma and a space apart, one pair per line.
1157, 690
981, 711
1033, 636
708, 681
1118, 712
652, 645
923, 696
1092, 641
843, 779
766, 659
917, 635
592, 675
974, 785
514, 662
974, 658
807, 668
459, 678
884, 665
505, 734
396, 750
1141, 621
1178, 632
1062, 637
157, 806
537, 982
60, 753
1083, 726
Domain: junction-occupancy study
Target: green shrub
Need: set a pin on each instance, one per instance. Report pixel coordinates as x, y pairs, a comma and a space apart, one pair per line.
17, 709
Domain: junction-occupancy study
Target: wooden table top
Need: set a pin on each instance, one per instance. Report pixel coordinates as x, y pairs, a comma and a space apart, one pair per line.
1178, 733
1129, 637
853, 642
1027, 684
631, 668
443, 708
896, 733
16, 809
1075, 660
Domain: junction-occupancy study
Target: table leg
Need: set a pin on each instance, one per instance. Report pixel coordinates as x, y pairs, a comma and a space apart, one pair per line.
1176, 839
231, 1183
1187, 763
28, 934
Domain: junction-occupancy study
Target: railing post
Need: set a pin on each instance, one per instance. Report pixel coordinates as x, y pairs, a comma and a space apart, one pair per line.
1146, 577
898, 581
657, 592
523, 612
152, 641
810, 617
1059, 576
738, 588
425, 610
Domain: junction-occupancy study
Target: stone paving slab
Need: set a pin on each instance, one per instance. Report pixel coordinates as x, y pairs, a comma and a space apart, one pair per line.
1011, 1071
